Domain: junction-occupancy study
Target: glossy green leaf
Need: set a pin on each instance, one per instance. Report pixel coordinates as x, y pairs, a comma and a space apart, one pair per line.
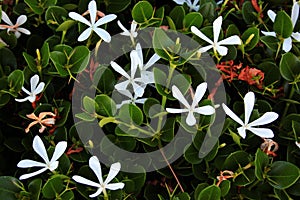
248, 12
177, 15
131, 114
250, 38
271, 42
283, 24
15, 81
34, 187
142, 11
55, 16
289, 66
208, 11
89, 104
212, 192
236, 160
53, 187
192, 19
66, 25
261, 162
116, 6
9, 187
105, 105
162, 43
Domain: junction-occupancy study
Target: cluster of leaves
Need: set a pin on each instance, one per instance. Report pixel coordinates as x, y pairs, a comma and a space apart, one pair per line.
234, 168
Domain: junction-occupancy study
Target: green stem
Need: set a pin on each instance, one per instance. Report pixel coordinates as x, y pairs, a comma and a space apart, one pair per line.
288, 103
63, 37
105, 194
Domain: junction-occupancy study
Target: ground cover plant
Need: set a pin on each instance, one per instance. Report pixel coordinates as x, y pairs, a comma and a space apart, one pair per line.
128, 99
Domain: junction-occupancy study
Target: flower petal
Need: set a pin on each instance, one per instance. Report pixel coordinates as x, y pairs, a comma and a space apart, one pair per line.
296, 36
26, 91
96, 167
39, 88
179, 2
190, 120
242, 132
122, 85
197, 32
26, 176
40, 149
59, 150
97, 193
205, 49
151, 61
269, 33
103, 34
82, 180
179, 96
92, 7
23, 100
6, 19
176, 110
298, 144
30, 163
30, 125
222, 50
113, 171
232, 40
75, 16
262, 132
123, 28
85, 34
267, 118
139, 51
115, 186
217, 28
21, 20
138, 90
200, 91
147, 77
295, 13
23, 30
135, 62
105, 19
34, 80
119, 69
287, 44
249, 100
232, 115
17, 33
205, 110
272, 15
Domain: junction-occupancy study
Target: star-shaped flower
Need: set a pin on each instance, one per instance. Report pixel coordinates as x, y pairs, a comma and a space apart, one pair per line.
287, 42
39, 148
266, 118
35, 89
132, 98
217, 46
93, 25
191, 109
102, 186
132, 33
131, 79
192, 6
14, 27
147, 76
40, 120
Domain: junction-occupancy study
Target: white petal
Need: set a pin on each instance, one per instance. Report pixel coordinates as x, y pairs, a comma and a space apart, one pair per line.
287, 44
17, 34
249, 100
105, 19
126, 93
141, 101
197, 32
222, 50
152, 61
267, 118
179, 96
295, 13
115, 186
139, 51
205, 49
262, 132
242, 132
272, 15
147, 77
82, 180
25, 99
103, 34
85, 34
205, 110
26, 176
30, 163
135, 61
6, 19
122, 27
122, 85
92, 7
232, 40
39, 148
97, 193
119, 69
176, 110
31, 99
232, 115
75, 16
26, 91
59, 150
96, 167
296, 36
23, 30
138, 90
190, 120
133, 28
39, 88
21, 20
217, 28
179, 2
298, 144
200, 91
269, 33
34, 80
113, 171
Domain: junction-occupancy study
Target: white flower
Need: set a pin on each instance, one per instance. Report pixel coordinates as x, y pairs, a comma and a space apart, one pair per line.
14, 27
35, 89
298, 144
133, 30
192, 6
287, 42
138, 90
102, 186
267, 118
39, 148
147, 76
93, 25
132, 99
217, 46
204, 110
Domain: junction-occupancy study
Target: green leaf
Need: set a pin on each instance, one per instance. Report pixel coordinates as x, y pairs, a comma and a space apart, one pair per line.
225, 187
9, 39
208, 11
66, 25
177, 15
131, 114
116, 6
89, 104
105, 105
53, 187
162, 44
271, 42
261, 162
30, 62
248, 12
34, 187
212, 192
283, 24
191, 154
236, 160
192, 19
79, 59
55, 16
142, 11
167, 132
283, 174
106, 120
15, 81
59, 59
9, 187
85, 117
253, 33
289, 66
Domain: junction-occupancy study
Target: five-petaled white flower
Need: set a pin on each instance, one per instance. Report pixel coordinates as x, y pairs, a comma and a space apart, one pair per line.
131, 79
191, 109
217, 46
266, 118
35, 89
102, 186
287, 42
93, 25
147, 76
39, 148
132, 98
132, 33
192, 6
14, 27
